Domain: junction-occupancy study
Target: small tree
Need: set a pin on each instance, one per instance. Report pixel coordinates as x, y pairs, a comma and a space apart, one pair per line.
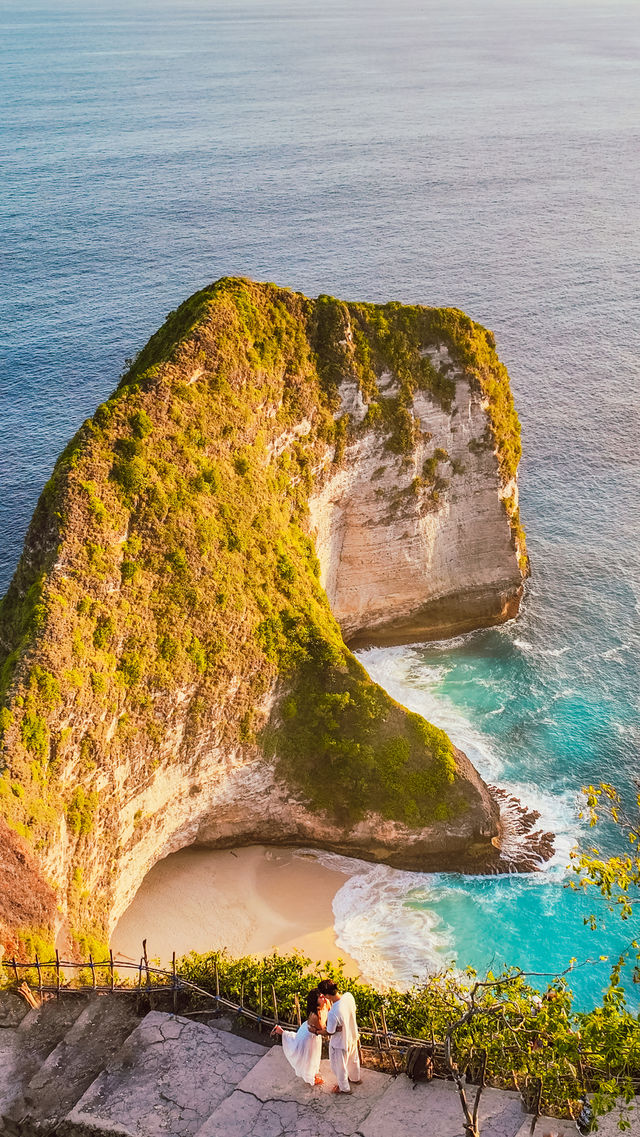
617, 878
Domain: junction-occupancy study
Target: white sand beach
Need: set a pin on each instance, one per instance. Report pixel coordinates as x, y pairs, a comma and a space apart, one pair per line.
248, 900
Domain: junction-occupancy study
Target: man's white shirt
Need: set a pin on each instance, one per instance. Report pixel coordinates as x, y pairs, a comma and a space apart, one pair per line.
343, 1013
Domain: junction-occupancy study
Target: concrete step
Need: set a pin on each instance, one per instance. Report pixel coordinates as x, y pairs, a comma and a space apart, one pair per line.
12, 1009
433, 1109
553, 1127
167, 1079
271, 1102
607, 1124
90, 1044
25, 1047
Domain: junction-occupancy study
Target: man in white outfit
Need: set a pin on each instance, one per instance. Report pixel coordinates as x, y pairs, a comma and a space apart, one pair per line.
342, 1029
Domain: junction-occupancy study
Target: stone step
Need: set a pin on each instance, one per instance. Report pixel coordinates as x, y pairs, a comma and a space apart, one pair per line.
271, 1102
90, 1044
553, 1127
607, 1124
12, 1009
25, 1047
167, 1079
433, 1109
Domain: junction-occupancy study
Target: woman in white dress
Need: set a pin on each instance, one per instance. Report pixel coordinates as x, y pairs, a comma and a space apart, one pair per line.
303, 1048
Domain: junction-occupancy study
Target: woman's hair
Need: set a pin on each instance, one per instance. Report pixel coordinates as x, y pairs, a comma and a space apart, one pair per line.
312, 1002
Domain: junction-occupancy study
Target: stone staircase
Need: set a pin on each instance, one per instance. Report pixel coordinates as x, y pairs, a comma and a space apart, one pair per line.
86, 1066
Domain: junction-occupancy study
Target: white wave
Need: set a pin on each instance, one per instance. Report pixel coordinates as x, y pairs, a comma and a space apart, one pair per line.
558, 815
395, 943
626, 728
524, 645
386, 920
620, 652
393, 669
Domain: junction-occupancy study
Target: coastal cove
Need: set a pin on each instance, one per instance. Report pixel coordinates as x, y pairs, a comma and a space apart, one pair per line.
247, 901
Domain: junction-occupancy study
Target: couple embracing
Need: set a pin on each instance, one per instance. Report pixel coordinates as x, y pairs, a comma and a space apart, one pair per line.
329, 1015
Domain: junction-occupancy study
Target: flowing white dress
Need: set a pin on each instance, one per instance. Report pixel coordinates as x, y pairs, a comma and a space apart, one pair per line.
303, 1050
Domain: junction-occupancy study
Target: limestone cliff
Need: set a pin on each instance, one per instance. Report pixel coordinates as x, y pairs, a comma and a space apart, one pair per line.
172, 671
404, 557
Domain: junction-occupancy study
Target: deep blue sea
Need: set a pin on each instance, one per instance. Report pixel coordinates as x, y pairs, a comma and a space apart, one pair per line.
477, 153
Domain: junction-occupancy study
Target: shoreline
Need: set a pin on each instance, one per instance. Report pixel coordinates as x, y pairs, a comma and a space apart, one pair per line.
250, 901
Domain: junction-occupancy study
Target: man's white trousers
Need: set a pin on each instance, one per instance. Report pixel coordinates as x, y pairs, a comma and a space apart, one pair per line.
345, 1064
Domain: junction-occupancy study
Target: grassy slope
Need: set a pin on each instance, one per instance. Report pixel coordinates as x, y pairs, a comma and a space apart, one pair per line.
184, 562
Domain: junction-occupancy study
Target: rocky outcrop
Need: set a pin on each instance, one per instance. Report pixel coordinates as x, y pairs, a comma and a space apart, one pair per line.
172, 671
399, 562
244, 802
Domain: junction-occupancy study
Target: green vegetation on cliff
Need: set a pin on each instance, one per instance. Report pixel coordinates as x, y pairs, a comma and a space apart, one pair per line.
169, 560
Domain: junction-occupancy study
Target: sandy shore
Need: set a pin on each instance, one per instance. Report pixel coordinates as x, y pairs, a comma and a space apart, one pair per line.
248, 900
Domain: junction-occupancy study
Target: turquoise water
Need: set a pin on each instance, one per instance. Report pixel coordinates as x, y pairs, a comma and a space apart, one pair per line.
484, 155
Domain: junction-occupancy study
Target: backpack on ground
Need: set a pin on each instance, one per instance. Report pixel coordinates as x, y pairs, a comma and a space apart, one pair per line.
420, 1063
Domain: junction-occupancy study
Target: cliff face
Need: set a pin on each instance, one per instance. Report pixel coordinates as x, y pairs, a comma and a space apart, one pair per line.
172, 671
403, 561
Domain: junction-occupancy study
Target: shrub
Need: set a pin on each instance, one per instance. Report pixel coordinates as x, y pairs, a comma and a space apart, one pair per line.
35, 734
104, 630
128, 571
80, 811
131, 474
98, 683
131, 668
141, 424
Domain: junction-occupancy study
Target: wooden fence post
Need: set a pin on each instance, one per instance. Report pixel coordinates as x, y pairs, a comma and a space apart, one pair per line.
536, 1104
93, 971
15, 968
111, 969
260, 1005
376, 1036
274, 1000
175, 984
139, 987
386, 1040
57, 974
146, 966
296, 1002
39, 975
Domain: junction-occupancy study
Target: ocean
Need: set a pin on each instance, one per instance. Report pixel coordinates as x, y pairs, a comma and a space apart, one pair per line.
484, 155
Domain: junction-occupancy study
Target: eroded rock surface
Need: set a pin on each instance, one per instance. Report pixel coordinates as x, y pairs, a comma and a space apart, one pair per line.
399, 566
